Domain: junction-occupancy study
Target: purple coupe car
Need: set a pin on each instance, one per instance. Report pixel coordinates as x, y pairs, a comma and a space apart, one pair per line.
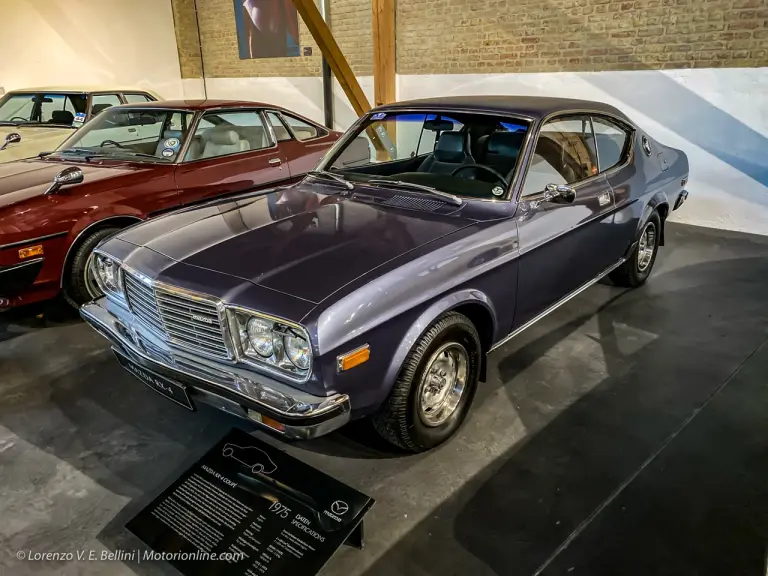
430, 234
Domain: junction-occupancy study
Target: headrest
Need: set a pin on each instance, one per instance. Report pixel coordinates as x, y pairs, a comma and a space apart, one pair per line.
451, 147
505, 143
98, 108
62, 117
222, 137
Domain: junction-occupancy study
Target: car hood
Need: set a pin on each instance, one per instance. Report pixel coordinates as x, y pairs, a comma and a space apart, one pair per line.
293, 241
26, 179
33, 141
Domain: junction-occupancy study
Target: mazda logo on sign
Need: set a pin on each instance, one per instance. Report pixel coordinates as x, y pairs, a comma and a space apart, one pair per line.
204, 319
339, 507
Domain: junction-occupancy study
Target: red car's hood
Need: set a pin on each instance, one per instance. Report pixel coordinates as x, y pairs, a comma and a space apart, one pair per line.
25, 179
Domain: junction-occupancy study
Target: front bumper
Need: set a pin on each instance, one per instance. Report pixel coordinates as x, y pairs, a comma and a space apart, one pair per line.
18, 277
302, 415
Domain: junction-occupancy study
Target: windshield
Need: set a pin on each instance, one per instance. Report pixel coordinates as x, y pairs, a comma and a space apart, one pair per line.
131, 133
464, 154
43, 109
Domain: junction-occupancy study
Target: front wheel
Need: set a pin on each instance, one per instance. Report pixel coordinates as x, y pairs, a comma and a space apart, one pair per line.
435, 386
635, 271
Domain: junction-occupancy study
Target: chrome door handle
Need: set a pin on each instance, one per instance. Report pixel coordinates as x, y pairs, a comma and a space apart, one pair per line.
275, 161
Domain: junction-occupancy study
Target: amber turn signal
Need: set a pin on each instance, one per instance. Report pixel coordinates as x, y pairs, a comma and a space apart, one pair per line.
354, 358
31, 251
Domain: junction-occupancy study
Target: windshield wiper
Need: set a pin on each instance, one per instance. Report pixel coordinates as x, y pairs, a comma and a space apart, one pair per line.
455, 200
143, 155
324, 173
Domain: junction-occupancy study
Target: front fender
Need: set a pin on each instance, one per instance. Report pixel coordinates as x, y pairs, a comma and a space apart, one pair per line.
427, 318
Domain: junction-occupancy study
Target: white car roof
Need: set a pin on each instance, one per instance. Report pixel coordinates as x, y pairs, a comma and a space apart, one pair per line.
81, 89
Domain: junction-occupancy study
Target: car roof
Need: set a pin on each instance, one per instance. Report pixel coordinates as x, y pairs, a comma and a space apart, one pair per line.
536, 107
202, 104
79, 89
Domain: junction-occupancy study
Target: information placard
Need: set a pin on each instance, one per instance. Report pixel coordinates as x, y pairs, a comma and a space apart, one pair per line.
247, 508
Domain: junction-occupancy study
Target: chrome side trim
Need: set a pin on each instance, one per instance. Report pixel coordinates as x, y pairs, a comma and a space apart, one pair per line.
82, 233
33, 240
14, 267
557, 304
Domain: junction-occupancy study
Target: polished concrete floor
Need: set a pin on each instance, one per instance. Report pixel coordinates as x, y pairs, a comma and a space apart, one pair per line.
625, 434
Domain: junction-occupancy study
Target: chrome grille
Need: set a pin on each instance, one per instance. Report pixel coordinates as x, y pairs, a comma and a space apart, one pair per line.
191, 323
185, 322
141, 300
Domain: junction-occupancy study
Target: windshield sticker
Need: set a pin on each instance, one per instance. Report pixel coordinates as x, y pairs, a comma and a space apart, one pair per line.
379, 116
172, 143
168, 152
497, 191
79, 119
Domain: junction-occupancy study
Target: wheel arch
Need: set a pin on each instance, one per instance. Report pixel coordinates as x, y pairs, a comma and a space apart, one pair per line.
474, 304
658, 203
83, 229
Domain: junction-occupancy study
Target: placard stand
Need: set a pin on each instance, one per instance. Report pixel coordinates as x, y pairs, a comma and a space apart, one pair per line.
357, 538
246, 498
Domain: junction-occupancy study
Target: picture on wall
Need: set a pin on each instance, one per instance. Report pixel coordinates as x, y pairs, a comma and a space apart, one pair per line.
267, 28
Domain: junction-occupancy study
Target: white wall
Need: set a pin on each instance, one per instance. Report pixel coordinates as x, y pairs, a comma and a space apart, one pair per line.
303, 94
718, 117
111, 42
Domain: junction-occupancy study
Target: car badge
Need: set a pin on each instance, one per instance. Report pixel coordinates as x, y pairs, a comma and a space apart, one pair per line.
204, 319
497, 191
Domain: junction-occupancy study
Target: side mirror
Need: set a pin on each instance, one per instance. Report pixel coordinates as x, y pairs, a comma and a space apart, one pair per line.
71, 175
12, 138
559, 193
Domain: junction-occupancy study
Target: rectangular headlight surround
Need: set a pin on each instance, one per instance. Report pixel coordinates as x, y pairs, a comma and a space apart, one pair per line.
277, 362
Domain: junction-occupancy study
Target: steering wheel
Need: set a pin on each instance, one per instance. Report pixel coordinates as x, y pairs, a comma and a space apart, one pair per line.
111, 142
488, 169
20, 118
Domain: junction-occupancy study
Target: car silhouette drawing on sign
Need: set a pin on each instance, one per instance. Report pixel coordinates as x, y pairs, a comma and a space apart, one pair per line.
254, 458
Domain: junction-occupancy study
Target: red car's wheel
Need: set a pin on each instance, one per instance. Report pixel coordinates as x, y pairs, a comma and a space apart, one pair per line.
79, 286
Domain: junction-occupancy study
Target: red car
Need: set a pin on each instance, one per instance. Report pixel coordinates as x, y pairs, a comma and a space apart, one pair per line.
128, 164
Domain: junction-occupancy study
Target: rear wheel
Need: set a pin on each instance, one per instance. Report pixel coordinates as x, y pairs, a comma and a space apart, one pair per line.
435, 386
635, 271
79, 284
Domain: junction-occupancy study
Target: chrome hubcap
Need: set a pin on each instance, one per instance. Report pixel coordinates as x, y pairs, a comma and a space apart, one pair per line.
647, 247
90, 282
443, 383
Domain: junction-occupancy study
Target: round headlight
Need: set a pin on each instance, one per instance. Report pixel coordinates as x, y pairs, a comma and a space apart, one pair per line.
106, 273
260, 336
297, 350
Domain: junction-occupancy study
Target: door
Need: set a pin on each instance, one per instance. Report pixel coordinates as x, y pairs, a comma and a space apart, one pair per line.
562, 244
229, 152
301, 141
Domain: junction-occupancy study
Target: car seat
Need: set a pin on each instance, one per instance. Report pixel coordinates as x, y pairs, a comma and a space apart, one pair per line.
451, 151
502, 150
220, 142
62, 117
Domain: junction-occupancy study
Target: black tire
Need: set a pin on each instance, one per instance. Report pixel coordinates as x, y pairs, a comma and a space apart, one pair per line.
399, 420
77, 289
632, 273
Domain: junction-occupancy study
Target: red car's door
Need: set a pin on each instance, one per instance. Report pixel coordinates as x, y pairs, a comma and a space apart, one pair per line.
230, 151
304, 143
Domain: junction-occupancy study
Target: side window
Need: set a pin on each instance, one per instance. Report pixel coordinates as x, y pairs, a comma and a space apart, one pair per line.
225, 133
301, 129
137, 98
101, 102
611, 142
281, 132
565, 153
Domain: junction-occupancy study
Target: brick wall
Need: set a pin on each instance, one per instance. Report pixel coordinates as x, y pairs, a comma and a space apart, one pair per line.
351, 24
470, 36
492, 36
